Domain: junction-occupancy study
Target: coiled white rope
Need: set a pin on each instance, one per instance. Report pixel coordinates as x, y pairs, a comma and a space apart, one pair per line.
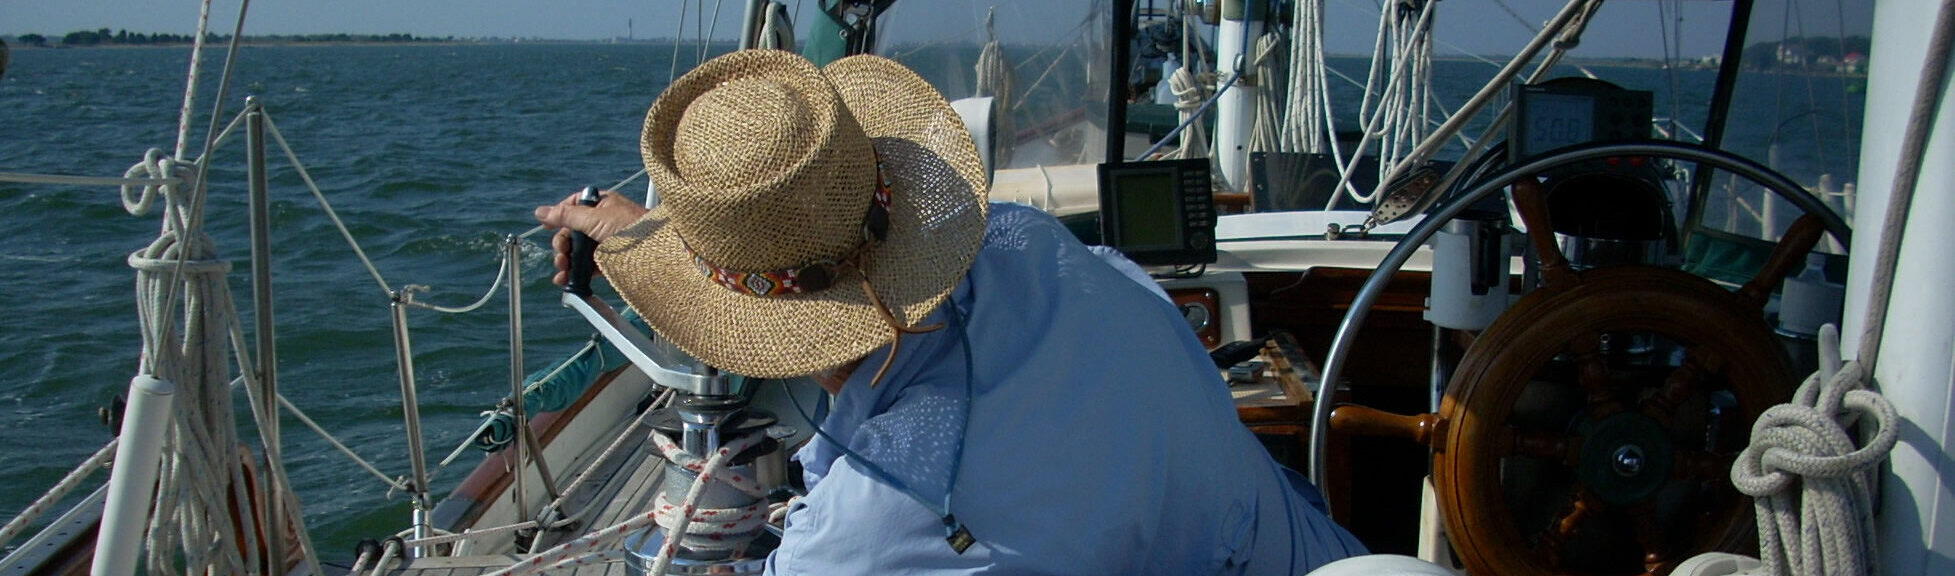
1303, 127
1826, 524
776, 33
60, 490
1385, 111
1265, 135
995, 79
190, 522
1189, 95
677, 520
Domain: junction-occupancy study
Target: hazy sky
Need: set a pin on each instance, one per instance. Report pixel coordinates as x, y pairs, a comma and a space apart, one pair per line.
1627, 27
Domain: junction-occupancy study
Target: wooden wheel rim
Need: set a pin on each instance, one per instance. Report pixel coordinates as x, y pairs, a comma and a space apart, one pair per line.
1493, 373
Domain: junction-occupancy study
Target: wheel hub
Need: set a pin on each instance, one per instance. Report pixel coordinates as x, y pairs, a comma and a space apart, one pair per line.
1626, 458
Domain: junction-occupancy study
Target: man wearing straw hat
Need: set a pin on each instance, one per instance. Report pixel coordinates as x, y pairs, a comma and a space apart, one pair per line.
1003, 399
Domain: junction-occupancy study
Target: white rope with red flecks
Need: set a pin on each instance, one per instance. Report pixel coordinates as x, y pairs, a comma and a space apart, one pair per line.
678, 455
717, 523
578, 552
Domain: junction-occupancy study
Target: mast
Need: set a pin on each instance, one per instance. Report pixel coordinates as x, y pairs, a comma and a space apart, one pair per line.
1235, 108
1120, 49
1720, 112
1913, 368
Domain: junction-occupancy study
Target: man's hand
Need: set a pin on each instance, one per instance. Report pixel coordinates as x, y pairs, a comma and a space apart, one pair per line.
612, 213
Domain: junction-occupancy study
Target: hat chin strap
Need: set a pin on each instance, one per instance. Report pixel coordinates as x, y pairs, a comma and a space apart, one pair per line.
896, 330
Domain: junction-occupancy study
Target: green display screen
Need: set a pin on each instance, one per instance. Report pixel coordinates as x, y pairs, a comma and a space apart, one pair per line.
1557, 120
1149, 216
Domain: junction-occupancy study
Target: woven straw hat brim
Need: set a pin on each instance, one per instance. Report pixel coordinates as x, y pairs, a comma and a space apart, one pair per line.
937, 221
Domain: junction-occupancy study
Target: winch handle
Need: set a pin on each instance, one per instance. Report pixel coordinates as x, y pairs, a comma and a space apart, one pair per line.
583, 251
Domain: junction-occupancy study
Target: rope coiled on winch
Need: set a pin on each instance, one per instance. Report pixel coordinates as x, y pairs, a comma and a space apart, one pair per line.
714, 525
674, 519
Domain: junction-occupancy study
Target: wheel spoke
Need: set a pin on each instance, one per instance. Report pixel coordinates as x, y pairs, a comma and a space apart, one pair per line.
1649, 535
1545, 446
1789, 255
1562, 528
1701, 466
1594, 375
1532, 204
1677, 387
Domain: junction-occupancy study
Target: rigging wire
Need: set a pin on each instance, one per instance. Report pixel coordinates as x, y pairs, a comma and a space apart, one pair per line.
672, 73
1057, 59
1846, 122
1663, 8
272, 128
1389, 104
1793, 22
187, 111
391, 483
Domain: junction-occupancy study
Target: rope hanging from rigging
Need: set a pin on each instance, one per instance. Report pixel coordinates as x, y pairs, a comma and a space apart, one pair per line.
995, 79
202, 472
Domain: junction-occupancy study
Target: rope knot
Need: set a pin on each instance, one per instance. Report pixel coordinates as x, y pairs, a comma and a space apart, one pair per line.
1810, 436
1811, 439
138, 200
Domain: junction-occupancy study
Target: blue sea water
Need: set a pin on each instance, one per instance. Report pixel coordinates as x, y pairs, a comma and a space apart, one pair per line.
431, 154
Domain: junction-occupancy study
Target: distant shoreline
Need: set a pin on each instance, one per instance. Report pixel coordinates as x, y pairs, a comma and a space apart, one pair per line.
1623, 62
12, 45
1628, 61
14, 42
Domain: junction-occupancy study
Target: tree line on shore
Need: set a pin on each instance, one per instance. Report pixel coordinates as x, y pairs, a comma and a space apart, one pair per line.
104, 37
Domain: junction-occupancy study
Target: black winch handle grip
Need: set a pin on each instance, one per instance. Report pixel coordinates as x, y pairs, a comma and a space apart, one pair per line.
583, 252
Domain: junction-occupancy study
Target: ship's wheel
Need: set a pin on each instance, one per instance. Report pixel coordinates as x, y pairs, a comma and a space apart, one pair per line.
1591, 428
1636, 477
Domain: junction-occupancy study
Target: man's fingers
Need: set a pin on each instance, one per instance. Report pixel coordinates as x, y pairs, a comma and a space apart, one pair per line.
569, 216
560, 258
554, 215
613, 213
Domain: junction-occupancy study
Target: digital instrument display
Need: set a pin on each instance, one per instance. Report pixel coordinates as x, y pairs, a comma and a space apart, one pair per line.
1558, 120
1150, 217
1567, 111
1158, 213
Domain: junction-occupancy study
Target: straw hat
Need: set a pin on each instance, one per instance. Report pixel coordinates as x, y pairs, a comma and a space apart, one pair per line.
772, 214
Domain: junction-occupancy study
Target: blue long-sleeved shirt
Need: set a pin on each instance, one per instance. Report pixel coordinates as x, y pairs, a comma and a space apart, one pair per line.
1095, 438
